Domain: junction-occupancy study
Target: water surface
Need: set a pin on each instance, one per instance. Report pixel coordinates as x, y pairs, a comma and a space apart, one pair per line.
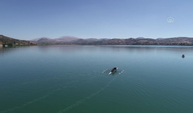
58, 79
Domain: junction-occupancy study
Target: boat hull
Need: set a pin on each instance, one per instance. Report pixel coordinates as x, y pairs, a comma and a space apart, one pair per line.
113, 70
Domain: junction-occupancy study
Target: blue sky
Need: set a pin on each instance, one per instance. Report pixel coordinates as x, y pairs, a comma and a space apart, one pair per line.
30, 19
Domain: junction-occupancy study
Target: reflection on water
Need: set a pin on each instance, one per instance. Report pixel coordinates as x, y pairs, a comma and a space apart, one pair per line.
77, 48
151, 47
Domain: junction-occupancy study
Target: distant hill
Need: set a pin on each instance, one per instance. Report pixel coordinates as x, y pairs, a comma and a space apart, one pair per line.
66, 39
61, 40
15, 42
175, 41
117, 41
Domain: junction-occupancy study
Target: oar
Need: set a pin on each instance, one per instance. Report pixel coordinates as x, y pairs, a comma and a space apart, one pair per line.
121, 71
104, 70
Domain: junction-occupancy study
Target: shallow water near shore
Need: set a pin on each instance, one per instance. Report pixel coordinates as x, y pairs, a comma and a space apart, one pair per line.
69, 79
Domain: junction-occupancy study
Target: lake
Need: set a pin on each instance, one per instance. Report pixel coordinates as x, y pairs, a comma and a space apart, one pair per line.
69, 79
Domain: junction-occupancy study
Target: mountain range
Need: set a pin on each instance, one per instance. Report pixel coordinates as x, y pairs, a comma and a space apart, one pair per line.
116, 41
70, 40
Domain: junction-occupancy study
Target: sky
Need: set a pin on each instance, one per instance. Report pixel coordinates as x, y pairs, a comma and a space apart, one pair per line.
30, 19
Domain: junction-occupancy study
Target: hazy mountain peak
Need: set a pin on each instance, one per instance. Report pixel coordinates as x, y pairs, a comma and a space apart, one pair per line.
67, 39
44, 38
140, 38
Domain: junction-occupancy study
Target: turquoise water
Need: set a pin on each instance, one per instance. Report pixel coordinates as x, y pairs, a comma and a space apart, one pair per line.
69, 79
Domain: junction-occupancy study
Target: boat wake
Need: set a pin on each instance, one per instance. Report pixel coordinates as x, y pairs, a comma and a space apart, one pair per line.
86, 98
56, 88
